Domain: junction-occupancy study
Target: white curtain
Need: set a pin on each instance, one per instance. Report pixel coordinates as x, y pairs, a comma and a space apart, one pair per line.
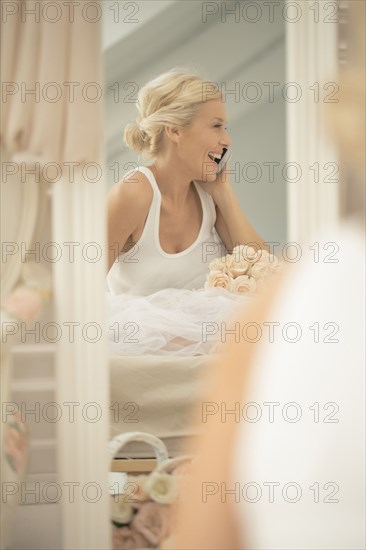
58, 60
52, 114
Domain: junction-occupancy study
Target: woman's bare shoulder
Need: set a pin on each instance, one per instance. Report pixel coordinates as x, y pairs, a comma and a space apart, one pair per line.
133, 187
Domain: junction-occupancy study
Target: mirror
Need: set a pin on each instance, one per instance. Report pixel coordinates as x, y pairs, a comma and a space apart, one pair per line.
264, 59
241, 47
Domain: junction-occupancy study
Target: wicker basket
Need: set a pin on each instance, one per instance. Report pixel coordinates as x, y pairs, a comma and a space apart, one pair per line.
144, 521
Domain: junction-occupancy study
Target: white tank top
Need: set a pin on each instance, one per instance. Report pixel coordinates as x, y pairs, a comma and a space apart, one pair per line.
147, 268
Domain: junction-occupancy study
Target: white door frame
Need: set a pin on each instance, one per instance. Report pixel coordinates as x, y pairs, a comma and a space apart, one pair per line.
81, 363
312, 64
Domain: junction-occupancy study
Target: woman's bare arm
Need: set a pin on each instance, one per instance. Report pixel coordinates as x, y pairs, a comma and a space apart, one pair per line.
230, 216
128, 203
231, 223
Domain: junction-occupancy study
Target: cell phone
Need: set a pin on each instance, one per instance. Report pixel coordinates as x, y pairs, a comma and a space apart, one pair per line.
224, 159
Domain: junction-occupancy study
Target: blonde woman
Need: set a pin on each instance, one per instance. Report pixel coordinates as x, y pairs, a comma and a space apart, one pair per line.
168, 221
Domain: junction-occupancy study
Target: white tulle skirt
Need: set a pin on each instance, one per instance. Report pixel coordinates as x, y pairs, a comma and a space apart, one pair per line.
171, 321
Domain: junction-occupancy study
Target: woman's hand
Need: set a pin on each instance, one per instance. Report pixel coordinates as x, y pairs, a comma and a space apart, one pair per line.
229, 213
221, 184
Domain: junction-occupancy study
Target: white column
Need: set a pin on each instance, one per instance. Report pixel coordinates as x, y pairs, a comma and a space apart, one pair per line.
312, 63
82, 366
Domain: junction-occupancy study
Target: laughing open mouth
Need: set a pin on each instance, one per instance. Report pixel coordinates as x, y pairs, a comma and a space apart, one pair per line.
216, 157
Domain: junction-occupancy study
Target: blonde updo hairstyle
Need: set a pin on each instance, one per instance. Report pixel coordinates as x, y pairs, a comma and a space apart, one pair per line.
173, 99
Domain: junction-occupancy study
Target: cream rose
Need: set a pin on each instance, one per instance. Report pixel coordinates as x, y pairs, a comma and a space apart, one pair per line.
161, 487
244, 285
264, 255
218, 264
122, 511
260, 269
236, 268
218, 279
246, 253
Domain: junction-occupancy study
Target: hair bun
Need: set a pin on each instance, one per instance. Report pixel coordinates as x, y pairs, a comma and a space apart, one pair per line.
136, 137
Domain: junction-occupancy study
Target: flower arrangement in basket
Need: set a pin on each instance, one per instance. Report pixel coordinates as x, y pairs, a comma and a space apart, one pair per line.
141, 514
245, 271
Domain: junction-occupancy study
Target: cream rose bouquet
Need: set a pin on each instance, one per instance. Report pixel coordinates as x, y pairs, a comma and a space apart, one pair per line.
245, 271
141, 514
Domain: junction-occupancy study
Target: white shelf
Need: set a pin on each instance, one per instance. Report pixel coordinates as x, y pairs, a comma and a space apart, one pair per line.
39, 349
33, 385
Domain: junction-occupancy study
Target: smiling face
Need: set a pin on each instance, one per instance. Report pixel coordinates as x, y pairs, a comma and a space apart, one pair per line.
207, 135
